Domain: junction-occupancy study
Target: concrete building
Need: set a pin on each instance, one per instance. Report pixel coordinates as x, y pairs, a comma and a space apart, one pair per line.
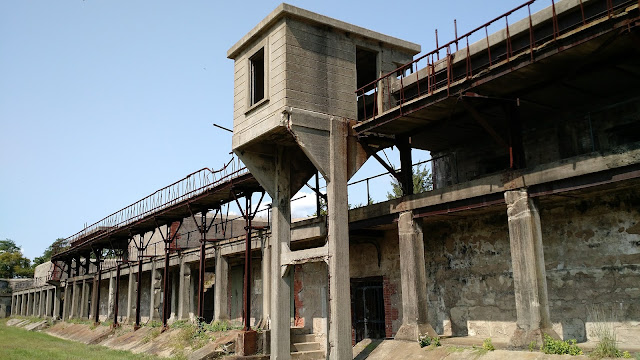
532, 225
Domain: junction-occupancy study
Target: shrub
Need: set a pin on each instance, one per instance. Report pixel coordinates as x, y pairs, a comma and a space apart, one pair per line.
559, 347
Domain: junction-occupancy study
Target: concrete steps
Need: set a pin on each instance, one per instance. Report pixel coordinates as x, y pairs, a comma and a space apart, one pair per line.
304, 345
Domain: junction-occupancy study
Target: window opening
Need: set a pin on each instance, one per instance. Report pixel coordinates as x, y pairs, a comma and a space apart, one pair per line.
366, 73
256, 64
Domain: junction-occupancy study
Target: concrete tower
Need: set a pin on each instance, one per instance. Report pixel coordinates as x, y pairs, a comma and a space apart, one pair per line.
295, 78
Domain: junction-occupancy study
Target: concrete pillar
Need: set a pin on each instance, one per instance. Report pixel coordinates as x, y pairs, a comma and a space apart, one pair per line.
156, 293
184, 290
34, 304
173, 313
75, 299
84, 300
529, 275
111, 296
338, 241
13, 304
66, 305
281, 233
266, 280
56, 303
42, 307
413, 277
47, 304
220, 304
40, 302
131, 296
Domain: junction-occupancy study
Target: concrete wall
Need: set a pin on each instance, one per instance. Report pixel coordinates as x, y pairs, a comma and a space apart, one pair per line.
468, 263
592, 255
592, 261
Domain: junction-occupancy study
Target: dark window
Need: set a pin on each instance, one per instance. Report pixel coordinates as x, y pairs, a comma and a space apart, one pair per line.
256, 65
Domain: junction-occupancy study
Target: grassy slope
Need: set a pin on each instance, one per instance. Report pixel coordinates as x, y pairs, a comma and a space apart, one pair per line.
17, 343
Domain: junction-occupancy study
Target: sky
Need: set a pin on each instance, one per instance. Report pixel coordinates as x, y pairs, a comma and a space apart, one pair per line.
103, 102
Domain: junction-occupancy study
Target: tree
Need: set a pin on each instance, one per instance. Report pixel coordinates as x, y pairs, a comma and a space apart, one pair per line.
12, 263
422, 182
58, 245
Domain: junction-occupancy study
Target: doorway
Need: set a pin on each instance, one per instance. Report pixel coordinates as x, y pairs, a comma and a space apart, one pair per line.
367, 308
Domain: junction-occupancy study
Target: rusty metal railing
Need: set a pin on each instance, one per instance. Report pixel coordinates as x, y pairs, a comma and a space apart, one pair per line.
390, 90
192, 185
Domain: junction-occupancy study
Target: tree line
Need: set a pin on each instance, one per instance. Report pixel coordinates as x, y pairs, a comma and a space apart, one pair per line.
13, 264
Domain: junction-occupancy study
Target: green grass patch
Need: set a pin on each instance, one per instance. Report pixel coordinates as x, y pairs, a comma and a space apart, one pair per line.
18, 344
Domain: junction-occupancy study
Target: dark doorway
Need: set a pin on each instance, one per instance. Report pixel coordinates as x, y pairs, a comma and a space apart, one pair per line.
366, 73
367, 308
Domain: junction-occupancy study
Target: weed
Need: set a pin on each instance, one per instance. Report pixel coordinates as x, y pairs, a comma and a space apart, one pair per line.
425, 340
559, 347
154, 324
218, 325
488, 345
533, 345
603, 329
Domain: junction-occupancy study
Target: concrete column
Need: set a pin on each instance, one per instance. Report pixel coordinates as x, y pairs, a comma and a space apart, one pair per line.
266, 280
173, 313
338, 241
42, 307
156, 293
66, 305
281, 233
111, 295
84, 302
75, 300
34, 304
131, 297
184, 291
529, 275
40, 302
56, 303
413, 277
47, 304
23, 307
220, 305
13, 304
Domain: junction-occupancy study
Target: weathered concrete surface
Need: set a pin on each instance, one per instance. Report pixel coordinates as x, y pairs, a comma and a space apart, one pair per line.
413, 276
80, 332
468, 262
395, 349
529, 275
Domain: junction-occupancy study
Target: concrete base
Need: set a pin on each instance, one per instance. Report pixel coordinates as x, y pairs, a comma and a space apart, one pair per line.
411, 332
522, 338
247, 343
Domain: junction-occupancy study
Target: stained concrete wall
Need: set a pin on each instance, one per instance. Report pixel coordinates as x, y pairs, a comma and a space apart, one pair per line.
104, 298
468, 263
592, 257
592, 254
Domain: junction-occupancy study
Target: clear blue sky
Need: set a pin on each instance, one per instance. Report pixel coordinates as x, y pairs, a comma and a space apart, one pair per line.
103, 102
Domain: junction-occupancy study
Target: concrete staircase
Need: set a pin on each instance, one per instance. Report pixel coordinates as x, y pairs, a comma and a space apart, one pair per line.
304, 345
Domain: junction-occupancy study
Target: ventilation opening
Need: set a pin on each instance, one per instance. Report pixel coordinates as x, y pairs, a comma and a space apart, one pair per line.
366, 72
256, 63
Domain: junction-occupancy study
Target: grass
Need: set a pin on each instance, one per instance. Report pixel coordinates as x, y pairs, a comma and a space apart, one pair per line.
17, 343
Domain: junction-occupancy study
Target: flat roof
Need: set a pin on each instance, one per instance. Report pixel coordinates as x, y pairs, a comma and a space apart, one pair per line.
286, 10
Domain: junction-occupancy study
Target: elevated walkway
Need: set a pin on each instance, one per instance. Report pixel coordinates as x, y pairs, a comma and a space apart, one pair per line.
573, 53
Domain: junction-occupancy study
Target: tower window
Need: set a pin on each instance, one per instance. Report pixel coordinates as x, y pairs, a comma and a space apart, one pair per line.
256, 68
